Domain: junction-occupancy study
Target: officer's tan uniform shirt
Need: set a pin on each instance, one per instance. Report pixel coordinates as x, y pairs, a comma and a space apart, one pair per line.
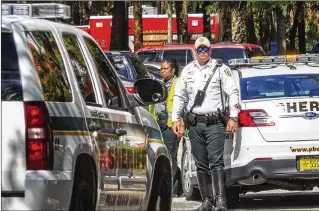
193, 78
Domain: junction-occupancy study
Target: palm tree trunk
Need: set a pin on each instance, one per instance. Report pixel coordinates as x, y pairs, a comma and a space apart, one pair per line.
293, 31
170, 23
281, 31
206, 20
225, 21
119, 34
138, 26
301, 28
250, 28
182, 21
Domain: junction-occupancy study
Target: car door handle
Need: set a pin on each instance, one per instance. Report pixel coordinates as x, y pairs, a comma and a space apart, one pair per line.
94, 127
119, 132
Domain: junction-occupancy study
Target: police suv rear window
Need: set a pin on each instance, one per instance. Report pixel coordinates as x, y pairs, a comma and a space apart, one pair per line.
49, 65
11, 89
277, 86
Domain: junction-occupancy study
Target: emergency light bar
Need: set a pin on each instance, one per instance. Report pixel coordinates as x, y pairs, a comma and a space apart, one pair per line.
39, 10
268, 60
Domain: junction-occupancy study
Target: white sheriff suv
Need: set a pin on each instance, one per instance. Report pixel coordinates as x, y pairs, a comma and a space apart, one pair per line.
277, 142
69, 128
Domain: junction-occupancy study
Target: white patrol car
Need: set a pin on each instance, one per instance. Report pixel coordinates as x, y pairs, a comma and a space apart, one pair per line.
69, 129
277, 143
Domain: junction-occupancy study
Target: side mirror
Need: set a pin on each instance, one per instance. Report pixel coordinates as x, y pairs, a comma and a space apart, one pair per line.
149, 91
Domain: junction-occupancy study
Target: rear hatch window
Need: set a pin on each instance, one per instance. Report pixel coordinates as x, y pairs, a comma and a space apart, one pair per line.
279, 86
225, 54
290, 110
11, 88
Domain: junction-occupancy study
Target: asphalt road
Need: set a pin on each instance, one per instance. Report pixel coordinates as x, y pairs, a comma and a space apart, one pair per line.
276, 200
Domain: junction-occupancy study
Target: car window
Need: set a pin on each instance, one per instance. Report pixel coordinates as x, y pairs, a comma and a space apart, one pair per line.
179, 55
279, 86
11, 89
153, 70
255, 52
225, 54
107, 76
141, 71
80, 68
148, 56
49, 65
120, 67
189, 56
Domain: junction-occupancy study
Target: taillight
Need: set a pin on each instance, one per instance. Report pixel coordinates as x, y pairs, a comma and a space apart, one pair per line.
130, 90
39, 138
254, 118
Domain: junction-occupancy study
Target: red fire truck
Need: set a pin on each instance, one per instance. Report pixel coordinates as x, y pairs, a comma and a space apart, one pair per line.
154, 29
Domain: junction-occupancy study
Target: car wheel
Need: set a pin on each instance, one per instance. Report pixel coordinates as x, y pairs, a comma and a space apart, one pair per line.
161, 196
232, 197
191, 192
82, 196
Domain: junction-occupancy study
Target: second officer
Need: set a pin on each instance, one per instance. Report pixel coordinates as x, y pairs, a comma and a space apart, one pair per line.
200, 88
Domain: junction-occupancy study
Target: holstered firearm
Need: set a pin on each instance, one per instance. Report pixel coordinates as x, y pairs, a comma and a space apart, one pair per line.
223, 116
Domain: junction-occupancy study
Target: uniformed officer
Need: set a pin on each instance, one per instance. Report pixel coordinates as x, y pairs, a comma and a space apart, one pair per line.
206, 130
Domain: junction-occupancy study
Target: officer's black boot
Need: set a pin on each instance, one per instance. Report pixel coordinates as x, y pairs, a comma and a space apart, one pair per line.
206, 190
219, 178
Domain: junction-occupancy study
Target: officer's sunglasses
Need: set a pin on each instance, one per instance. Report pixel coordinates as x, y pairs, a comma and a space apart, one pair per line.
202, 49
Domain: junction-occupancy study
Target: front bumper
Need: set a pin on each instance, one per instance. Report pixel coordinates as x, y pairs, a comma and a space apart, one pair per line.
44, 190
268, 169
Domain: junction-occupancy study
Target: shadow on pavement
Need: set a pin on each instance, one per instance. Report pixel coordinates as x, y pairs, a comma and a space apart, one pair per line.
279, 201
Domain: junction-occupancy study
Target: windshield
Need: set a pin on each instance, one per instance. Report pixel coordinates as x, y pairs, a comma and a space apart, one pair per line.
11, 89
226, 54
276, 86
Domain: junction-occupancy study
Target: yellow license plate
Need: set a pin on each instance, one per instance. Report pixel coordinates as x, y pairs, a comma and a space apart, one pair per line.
309, 164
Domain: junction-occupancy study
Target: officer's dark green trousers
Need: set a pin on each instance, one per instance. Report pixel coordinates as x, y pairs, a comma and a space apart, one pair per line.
207, 146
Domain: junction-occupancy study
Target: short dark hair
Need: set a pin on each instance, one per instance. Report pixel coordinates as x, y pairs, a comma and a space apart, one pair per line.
174, 64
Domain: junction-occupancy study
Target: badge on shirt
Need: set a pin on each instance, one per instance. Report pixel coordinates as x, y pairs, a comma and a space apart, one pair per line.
227, 72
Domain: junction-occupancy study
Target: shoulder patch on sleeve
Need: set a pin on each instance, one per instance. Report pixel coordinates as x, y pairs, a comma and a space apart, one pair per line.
228, 72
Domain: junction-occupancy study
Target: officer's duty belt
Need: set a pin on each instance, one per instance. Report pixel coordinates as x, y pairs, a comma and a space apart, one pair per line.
193, 119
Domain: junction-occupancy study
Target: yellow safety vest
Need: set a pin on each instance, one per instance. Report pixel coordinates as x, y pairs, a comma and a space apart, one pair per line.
169, 102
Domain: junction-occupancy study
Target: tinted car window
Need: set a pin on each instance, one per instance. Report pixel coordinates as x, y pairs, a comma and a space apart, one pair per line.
106, 75
148, 56
80, 69
225, 54
11, 89
279, 86
179, 55
153, 70
49, 65
139, 67
121, 68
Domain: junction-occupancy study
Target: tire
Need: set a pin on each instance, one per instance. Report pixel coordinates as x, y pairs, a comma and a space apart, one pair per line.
82, 196
190, 191
232, 197
161, 195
